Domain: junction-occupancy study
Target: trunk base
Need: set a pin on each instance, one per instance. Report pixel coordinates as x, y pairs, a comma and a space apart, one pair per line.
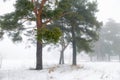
39, 64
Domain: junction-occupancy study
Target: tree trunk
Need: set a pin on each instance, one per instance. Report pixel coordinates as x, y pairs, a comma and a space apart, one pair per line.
39, 49
61, 61
74, 46
97, 57
0, 61
108, 57
119, 57
39, 56
39, 64
100, 57
91, 58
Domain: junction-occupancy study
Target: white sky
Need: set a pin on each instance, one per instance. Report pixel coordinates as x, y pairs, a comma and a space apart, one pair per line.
107, 9
6, 7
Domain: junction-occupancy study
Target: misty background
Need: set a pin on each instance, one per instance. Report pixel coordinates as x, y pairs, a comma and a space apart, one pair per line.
108, 13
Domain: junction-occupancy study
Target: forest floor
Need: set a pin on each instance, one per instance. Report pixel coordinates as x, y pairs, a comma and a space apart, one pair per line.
18, 70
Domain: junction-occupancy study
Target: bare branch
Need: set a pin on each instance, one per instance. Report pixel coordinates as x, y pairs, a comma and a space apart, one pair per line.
66, 45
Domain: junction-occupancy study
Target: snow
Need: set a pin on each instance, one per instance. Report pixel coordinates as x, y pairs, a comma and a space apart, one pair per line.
20, 67
22, 70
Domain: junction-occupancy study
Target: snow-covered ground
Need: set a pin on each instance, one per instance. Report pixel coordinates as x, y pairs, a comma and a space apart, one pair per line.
21, 70
19, 66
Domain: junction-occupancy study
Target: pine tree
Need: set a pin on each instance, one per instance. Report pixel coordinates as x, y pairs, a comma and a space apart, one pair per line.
81, 26
43, 12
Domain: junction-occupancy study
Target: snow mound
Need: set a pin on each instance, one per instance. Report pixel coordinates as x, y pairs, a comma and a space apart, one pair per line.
84, 71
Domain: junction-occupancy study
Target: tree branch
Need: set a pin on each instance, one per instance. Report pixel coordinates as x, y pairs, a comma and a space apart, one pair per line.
35, 7
41, 6
49, 20
66, 46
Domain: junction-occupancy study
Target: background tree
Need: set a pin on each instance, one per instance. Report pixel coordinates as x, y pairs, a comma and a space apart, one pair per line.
108, 42
64, 42
84, 26
81, 26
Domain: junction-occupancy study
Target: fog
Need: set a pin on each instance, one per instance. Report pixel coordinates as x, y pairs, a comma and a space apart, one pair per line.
8, 50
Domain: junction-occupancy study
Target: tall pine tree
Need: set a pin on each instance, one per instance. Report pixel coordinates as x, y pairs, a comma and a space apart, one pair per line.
81, 27
43, 12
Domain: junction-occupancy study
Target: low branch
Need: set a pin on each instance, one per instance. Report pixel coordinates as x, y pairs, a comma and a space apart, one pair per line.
23, 21
66, 46
30, 28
